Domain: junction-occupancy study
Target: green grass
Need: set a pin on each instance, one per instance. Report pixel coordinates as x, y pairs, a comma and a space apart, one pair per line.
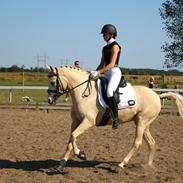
36, 96
40, 79
19, 83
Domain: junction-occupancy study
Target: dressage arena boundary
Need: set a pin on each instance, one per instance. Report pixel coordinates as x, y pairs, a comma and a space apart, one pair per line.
47, 108
37, 106
67, 106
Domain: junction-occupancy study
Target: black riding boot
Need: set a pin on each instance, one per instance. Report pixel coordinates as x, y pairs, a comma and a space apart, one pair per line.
114, 108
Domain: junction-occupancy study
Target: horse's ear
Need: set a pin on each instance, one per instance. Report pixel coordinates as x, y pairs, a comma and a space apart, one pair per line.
50, 67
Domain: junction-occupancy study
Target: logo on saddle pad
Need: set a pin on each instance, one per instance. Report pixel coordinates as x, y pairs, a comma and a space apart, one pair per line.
125, 95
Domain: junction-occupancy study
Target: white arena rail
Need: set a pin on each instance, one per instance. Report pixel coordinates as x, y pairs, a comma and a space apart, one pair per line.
23, 87
45, 88
168, 90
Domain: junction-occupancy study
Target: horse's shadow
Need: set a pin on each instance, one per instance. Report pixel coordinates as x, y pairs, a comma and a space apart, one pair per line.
28, 165
46, 165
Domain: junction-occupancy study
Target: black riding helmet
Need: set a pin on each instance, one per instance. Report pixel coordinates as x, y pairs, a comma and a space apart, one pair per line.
109, 29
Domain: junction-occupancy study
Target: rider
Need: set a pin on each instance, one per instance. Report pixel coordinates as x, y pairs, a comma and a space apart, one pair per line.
109, 67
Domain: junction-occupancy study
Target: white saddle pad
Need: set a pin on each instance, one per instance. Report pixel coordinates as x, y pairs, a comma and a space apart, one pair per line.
127, 96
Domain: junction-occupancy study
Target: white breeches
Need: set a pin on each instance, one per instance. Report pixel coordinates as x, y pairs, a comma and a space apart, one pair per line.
113, 76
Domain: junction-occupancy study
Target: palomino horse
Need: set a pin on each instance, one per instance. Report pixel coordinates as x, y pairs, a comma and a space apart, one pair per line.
87, 112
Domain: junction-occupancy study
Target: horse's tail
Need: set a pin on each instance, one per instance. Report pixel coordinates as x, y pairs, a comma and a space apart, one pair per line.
178, 100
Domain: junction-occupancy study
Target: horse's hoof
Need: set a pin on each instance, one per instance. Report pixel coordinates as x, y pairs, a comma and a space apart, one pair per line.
121, 165
60, 168
114, 169
81, 155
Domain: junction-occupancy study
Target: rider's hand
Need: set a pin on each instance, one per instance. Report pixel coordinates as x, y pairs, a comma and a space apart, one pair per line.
94, 75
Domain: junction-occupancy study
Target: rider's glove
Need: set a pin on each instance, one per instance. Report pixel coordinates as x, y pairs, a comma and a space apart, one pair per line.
94, 75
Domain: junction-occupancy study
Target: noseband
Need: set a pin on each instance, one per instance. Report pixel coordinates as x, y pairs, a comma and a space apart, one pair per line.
60, 88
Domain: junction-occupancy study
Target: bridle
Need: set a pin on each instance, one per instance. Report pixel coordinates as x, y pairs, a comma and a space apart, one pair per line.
60, 87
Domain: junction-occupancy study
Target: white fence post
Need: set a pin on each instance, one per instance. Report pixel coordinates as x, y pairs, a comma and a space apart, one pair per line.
10, 95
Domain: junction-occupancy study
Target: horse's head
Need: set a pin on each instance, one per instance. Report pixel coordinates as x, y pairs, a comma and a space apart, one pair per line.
57, 86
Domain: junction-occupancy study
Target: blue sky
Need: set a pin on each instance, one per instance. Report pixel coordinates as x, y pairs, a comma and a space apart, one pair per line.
66, 30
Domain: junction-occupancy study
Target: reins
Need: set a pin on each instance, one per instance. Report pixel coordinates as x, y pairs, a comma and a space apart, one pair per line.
88, 86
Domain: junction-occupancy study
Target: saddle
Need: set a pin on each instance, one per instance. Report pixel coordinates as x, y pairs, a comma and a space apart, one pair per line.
124, 95
104, 84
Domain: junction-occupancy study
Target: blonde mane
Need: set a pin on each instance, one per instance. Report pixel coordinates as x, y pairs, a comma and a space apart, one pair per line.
73, 68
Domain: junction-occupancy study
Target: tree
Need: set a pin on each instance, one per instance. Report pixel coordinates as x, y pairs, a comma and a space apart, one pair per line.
172, 14
14, 68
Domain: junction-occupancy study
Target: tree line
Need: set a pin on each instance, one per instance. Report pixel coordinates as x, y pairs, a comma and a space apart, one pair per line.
16, 68
173, 72
129, 71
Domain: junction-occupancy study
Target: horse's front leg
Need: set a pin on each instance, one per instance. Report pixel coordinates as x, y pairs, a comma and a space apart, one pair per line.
72, 143
69, 148
74, 125
84, 125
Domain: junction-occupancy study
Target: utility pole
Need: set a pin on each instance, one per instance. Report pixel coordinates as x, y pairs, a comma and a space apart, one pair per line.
64, 61
41, 59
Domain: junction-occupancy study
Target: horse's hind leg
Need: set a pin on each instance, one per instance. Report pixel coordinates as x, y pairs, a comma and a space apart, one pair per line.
151, 144
138, 141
